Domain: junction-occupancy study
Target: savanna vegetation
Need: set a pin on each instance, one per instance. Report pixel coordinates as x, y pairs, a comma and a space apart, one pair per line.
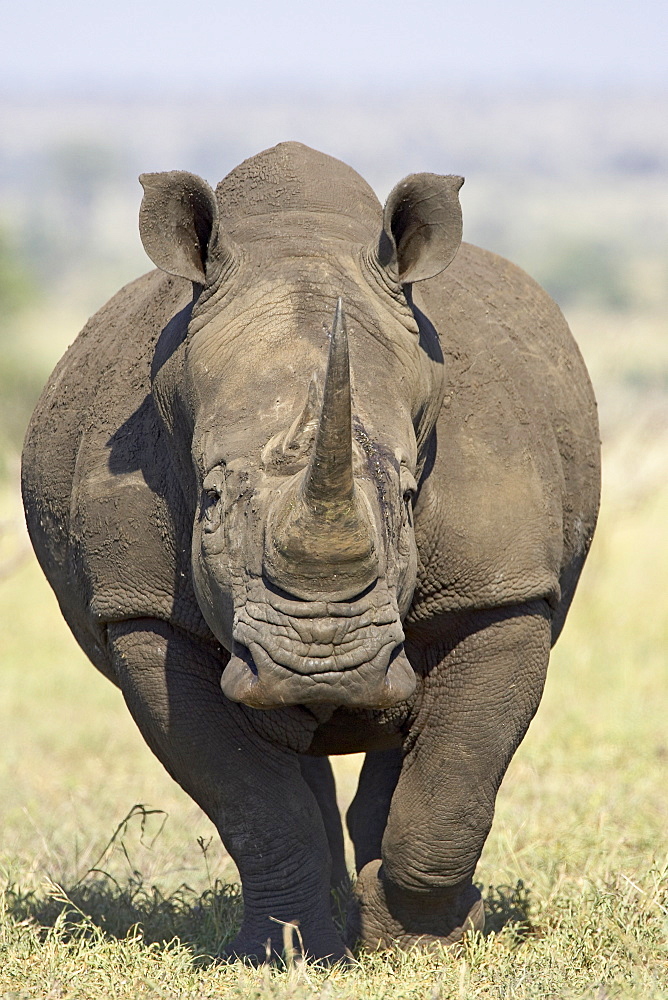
114, 885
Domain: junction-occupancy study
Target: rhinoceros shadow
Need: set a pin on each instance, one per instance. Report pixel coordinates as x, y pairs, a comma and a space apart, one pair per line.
98, 907
133, 446
509, 907
101, 907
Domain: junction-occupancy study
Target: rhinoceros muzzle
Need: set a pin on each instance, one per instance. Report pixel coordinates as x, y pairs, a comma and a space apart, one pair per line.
299, 652
246, 680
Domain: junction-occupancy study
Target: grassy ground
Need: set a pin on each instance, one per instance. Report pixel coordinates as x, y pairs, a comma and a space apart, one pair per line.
116, 886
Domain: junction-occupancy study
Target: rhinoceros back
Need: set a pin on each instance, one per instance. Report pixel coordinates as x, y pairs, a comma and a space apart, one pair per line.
103, 504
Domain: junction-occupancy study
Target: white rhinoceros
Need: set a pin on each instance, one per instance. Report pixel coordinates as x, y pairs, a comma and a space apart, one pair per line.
324, 483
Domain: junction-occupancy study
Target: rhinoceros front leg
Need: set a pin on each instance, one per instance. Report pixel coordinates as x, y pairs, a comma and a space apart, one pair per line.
482, 686
252, 790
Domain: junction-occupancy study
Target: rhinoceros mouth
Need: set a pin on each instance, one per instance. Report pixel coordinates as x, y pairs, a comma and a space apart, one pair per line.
301, 652
319, 637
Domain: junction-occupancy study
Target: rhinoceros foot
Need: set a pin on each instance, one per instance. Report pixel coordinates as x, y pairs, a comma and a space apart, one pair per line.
326, 949
383, 916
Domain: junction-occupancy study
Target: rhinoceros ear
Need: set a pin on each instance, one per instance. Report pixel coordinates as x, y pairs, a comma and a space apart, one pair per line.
422, 223
178, 222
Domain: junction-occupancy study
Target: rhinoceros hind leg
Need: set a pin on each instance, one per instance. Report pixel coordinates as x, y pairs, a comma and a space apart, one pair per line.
318, 775
367, 815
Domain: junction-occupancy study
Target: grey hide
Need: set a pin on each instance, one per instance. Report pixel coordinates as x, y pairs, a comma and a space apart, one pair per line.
322, 483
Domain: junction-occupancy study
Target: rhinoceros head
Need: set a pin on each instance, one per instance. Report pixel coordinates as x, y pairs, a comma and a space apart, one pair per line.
301, 404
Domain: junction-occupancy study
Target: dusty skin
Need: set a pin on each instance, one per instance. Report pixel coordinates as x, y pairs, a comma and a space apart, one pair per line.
322, 483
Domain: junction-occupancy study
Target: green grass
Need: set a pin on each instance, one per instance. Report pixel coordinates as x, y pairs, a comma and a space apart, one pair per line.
115, 885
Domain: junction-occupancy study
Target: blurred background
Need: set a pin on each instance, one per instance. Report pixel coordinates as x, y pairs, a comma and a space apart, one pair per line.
557, 115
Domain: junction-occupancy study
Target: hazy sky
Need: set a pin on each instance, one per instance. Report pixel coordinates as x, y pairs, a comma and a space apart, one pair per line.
182, 47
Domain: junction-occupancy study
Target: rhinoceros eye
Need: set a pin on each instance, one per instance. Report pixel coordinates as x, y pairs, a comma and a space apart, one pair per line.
211, 504
408, 491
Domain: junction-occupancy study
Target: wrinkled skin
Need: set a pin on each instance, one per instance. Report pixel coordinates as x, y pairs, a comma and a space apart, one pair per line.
288, 529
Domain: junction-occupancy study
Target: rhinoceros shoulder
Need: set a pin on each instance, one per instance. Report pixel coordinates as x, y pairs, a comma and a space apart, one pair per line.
509, 502
103, 504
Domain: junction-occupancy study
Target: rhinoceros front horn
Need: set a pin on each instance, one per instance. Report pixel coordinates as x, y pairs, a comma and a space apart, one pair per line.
320, 538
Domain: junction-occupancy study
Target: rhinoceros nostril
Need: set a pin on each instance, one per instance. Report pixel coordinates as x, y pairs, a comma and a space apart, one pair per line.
285, 595
359, 596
